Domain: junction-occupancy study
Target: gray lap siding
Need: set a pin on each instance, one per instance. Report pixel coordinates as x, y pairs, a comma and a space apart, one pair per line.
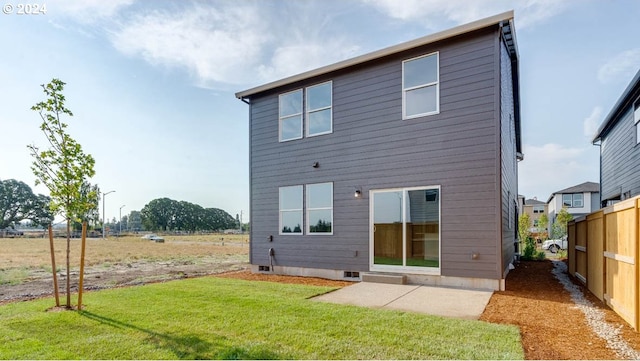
371, 147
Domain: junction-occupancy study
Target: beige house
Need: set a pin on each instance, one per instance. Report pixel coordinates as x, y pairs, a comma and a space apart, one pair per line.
535, 208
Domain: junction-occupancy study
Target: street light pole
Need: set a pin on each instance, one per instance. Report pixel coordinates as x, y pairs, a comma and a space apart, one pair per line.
120, 231
104, 218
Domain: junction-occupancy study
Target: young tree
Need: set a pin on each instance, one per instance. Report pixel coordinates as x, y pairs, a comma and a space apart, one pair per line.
524, 225
63, 167
543, 223
559, 227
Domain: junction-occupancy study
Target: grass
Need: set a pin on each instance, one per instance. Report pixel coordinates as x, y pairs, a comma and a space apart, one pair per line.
13, 276
410, 261
218, 318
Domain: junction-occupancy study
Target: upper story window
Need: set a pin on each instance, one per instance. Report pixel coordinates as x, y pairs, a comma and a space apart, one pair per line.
636, 119
290, 115
574, 200
538, 209
291, 210
319, 101
420, 86
317, 113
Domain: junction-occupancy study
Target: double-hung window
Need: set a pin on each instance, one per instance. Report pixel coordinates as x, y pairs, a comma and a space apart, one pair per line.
318, 218
290, 117
291, 210
310, 109
420, 86
318, 115
636, 119
320, 208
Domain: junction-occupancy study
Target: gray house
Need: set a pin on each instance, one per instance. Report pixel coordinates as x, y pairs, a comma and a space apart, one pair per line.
619, 141
402, 161
578, 200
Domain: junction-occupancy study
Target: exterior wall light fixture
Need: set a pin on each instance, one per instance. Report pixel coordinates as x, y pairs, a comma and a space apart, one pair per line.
358, 193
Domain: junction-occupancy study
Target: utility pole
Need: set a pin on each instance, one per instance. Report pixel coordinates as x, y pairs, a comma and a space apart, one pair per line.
120, 222
104, 218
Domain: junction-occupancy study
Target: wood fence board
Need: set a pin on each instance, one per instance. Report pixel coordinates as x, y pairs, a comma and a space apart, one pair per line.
595, 250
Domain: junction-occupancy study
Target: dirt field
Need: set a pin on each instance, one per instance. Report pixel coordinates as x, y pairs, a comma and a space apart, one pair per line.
25, 263
551, 325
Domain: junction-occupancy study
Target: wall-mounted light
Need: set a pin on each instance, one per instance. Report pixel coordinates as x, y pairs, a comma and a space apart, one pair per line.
475, 255
315, 164
357, 193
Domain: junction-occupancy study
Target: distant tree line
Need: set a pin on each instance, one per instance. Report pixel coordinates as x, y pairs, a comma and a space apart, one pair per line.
18, 203
164, 214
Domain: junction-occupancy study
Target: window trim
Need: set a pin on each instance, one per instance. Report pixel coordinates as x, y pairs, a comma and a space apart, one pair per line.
573, 200
307, 111
436, 84
281, 118
281, 210
636, 119
308, 209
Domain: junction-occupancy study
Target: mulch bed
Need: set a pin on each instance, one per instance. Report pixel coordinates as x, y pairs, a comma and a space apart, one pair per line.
550, 324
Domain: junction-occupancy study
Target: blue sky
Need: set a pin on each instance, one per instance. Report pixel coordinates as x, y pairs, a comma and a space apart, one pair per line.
151, 83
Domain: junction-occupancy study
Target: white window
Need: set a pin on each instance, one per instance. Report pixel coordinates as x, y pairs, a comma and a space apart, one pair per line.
320, 208
318, 109
291, 210
578, 200
636, 119
420, 86
538, 209
290, 117
573, 200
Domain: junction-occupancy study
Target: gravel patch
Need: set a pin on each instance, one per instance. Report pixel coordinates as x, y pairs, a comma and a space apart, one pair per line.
595, 318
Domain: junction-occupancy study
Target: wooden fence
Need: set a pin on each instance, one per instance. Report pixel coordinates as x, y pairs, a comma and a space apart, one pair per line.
603, 254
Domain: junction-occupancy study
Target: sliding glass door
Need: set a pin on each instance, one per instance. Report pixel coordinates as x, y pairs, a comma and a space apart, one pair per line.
405, 229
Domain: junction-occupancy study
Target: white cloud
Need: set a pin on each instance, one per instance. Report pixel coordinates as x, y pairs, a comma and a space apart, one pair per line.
432, 14
293, 59
592, 122
620, 67
551, 167
232, 44
214, 44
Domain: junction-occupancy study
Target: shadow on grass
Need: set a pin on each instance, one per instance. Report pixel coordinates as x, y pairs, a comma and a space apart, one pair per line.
192, 346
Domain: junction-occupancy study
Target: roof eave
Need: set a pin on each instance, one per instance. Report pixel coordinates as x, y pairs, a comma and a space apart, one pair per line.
611, 117
459, 30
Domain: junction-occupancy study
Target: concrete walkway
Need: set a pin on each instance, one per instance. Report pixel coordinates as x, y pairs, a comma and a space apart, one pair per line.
440, 301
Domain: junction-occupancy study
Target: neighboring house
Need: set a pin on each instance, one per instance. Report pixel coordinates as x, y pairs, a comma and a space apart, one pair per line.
619, 141
535, 208
380, 163
579, 200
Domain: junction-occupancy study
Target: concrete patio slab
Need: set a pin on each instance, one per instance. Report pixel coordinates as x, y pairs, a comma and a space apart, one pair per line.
440, 301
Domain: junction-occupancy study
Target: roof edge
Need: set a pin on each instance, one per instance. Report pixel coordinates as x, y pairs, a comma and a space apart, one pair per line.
432, 38
616, 108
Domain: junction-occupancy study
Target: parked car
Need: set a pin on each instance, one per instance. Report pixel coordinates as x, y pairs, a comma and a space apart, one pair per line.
149, 236
554, 245
156, 239
10, 232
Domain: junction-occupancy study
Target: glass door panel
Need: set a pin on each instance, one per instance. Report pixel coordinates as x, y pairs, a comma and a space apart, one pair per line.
387, 228
406, 229
422, 218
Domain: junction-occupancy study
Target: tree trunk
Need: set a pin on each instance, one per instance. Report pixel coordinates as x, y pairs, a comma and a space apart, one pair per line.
68, 263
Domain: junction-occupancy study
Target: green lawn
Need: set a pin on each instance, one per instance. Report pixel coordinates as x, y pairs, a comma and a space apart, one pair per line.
217, 318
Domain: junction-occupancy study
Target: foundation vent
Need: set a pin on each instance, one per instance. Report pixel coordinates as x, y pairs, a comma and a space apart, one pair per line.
264, 268
351, 274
